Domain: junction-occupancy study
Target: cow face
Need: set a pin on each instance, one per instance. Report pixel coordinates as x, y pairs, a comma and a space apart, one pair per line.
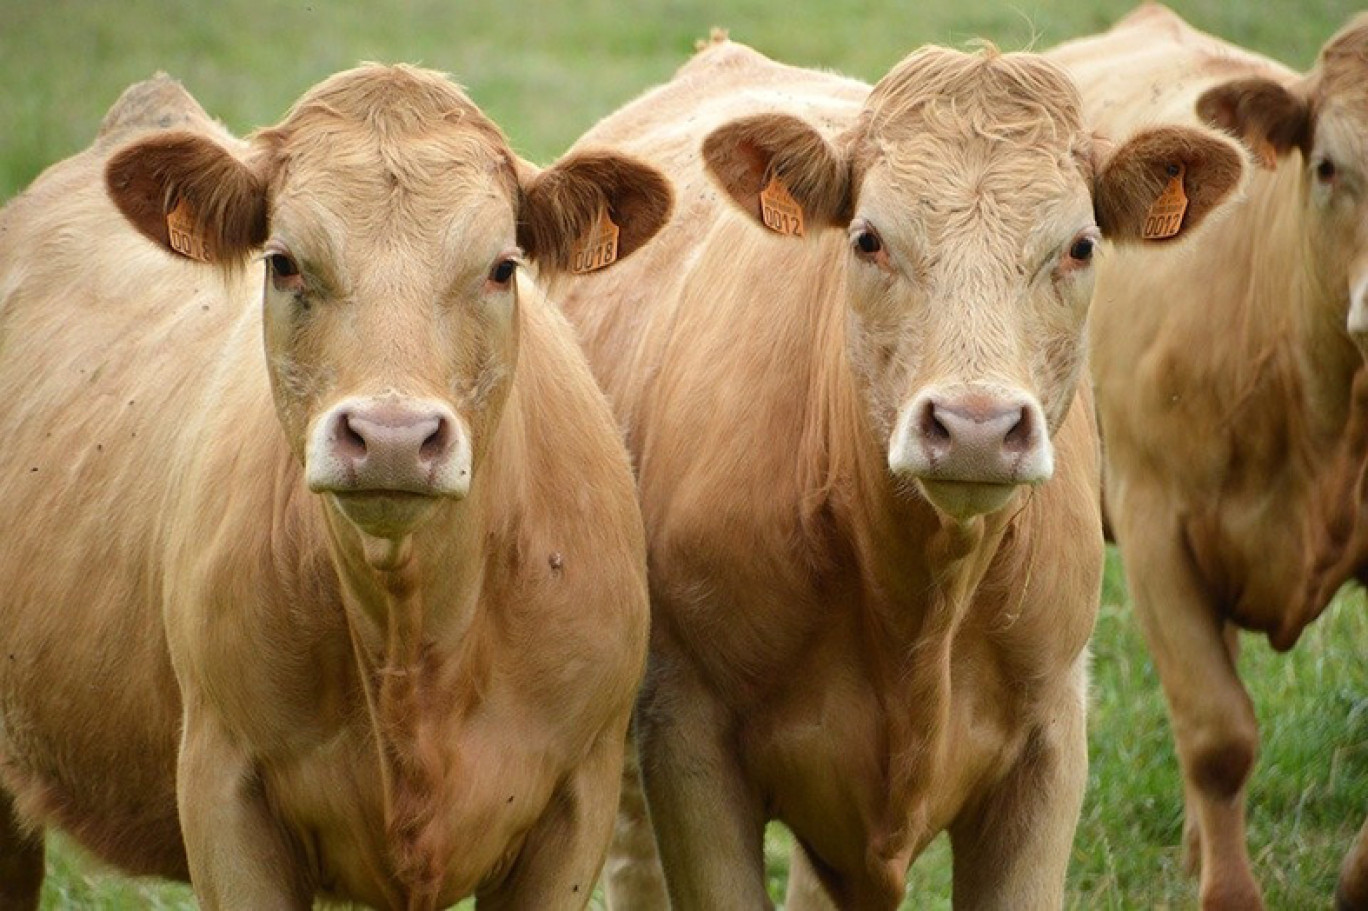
973, 199
1324, 120
391, 220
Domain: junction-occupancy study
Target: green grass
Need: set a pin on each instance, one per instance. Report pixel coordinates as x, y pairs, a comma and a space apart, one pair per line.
547, 71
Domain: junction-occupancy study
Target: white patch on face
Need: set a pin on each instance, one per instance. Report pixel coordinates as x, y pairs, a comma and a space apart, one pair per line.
1357, 322
389, 444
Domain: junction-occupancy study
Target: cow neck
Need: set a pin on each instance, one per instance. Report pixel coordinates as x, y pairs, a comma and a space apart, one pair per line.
409, 622
1295, 343
1293, 303
920, 571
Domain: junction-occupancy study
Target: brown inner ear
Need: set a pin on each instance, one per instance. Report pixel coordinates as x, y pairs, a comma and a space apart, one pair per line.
1135, 176
1261, 113
742, 155
561, 205
228, 200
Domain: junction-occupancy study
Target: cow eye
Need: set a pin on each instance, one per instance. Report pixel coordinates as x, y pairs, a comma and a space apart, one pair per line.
1082, 249
1326, 170
503, 271
868, 243
282, 266
284, 272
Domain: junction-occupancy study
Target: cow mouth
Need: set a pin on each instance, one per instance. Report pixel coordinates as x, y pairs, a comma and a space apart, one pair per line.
963, 500
385, 513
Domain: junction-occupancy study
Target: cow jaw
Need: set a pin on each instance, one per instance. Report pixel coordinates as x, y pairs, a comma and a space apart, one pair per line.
963, 500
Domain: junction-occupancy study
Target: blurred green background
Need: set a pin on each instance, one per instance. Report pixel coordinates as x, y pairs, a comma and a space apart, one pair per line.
546, 72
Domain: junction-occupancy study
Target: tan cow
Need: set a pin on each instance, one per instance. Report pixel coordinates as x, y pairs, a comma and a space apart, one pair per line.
868, 473
360, 614
1235, 434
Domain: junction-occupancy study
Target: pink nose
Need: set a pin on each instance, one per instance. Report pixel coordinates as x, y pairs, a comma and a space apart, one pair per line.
976, 437
390, 447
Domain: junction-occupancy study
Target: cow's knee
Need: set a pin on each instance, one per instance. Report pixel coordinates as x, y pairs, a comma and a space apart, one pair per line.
1220, 761
1351, 893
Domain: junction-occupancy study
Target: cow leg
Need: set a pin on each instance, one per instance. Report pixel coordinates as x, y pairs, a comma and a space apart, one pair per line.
1213, 719
1011, 849
563, 853
805, 891
708, 821
239, 856
632, 878
1352, 892
1192, 834
21, 861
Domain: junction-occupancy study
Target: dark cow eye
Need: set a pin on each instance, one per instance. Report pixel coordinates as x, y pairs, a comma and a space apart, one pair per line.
503, 271
283, 272
868, 243
1082, 249
1325, 170
282, 266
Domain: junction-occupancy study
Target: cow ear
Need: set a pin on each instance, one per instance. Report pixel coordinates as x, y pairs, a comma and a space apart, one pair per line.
1134, 177
1265, 116
562, 205
219, 202
743, 156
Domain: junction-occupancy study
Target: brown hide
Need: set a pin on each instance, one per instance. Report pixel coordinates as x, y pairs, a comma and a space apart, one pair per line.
213, 671
1231, 389
829, 649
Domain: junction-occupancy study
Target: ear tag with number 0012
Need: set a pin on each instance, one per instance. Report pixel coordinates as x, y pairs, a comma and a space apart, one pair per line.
1165, 215
780, 212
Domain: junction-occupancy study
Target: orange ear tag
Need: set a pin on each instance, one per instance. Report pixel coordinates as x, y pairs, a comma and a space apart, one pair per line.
779, 210
180, 226
599, 247
1165, 216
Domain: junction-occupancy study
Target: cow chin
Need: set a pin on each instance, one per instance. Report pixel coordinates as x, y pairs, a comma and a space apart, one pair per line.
386, 514
963, 500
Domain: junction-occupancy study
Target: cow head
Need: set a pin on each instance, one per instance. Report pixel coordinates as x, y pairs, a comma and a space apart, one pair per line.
973, 198
1322, 120
391, 219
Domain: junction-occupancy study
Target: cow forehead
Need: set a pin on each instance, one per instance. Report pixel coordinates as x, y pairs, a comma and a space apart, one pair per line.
387, 149
1016, 98
1343, 67
989, 140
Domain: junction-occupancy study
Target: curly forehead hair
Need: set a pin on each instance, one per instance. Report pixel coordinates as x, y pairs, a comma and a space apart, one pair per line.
1343, 64
1020, 97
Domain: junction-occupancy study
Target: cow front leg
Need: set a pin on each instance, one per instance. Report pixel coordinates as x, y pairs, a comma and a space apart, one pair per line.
632, 878
805, 890
561, 857
1011, 847
1352, 892
1213, 721
240, 857
708, 821
21, 860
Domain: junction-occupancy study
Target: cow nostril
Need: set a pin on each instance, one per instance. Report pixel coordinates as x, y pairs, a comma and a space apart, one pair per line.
1019, 438
347, 440
930, 426
436, 442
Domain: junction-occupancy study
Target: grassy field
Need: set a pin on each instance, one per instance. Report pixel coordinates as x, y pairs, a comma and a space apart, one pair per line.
546, 72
